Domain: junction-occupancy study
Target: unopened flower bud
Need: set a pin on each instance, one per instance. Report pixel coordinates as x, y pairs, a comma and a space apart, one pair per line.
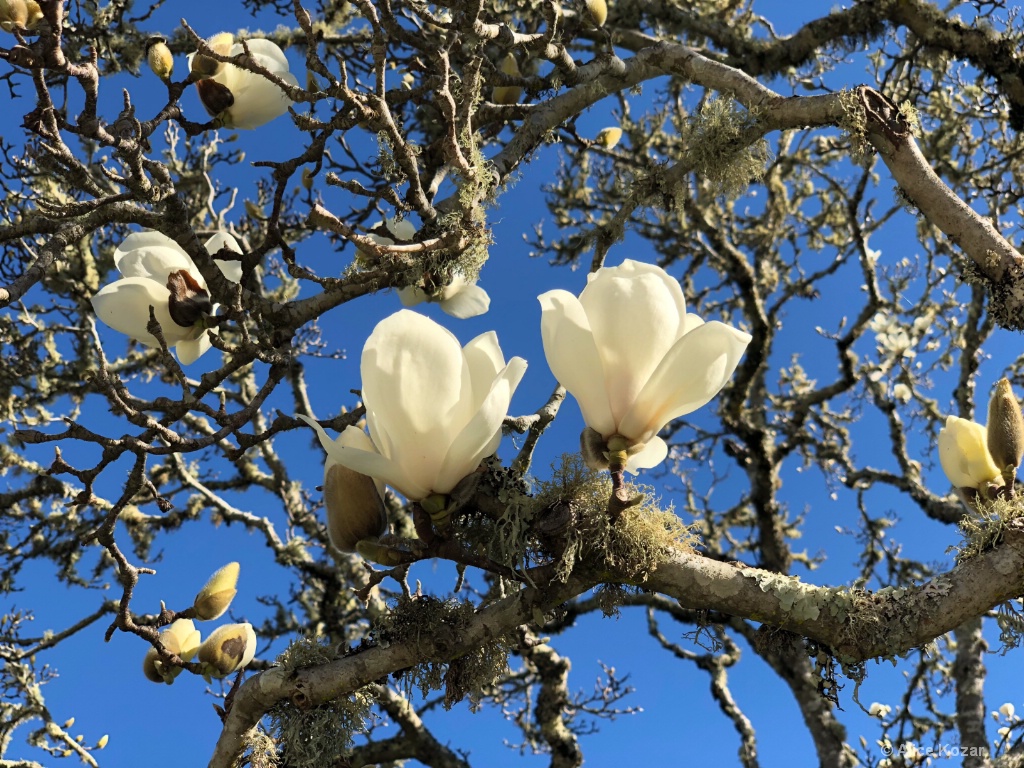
355, 510
964, 454
68, 723
103, 741
13, 15
189, 301
608, 137
182, 639
159, 57
1005, 428
598, 10
228, 649
508, 94
215, 597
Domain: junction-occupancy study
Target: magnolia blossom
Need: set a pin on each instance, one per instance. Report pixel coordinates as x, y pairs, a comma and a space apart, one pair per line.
434, 409
963, 453
633, 357
461, 298
180, 638
157, 273
237, 97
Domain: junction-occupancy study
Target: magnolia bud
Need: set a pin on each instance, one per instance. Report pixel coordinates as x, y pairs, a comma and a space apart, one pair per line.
228, 649
215, 597
189, 300
355, 510
598, 10
159, 57
593, 448
103, 741
180, 638
508, 94
1005, 428
13, 14
609, 137
963, 454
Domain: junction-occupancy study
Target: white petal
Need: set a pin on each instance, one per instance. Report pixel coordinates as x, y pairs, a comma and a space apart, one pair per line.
412, 295
232, 270
190, 350
380, 468
635, 319
692, 373
153, 255
257, 100
416, 388
351, 437
652, 454
470, 301
124, 306
266, 53
404, 230
573, 357
481, 435
486, 361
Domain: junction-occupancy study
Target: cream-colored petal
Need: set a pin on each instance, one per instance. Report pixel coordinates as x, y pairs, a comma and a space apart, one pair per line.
153, 255
412, 295
124, 306
693, 372
266, 53
651, 455
573, 357
403, 230
469, 301
190, 350
480, 437
635, 320
257, 100
232, 270
485, 360
352, 438
406, 478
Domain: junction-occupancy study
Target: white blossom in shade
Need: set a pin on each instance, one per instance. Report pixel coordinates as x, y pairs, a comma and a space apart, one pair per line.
633, 357
902, 392
1008, 710
237, 97
461, 298
879, 710
963, 453
433, 408
147, 262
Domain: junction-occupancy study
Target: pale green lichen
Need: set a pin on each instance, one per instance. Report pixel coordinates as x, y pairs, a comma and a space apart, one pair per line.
437, 628
719, 149
310, 737
985, 528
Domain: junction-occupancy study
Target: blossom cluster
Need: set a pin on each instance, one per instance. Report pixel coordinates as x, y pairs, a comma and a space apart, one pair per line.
228, 649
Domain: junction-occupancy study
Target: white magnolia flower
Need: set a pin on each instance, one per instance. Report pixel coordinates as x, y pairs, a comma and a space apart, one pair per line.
237, 97
461, 298
963, 453
152, 266
632, 356
434, 409
879, 710
1008, 710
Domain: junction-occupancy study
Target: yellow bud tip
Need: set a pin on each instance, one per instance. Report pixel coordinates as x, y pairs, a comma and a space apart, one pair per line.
608, 137
216, 596
598, 10
69, 722
103, 741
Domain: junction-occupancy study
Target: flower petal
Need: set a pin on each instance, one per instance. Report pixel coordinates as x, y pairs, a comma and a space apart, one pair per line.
190, 350
124, 306
693, 372
485, 360
653, 453
153, 255
573, 357
471, 300
412, 295
232, 270
634, 315
351, 437
480, 437
257, 100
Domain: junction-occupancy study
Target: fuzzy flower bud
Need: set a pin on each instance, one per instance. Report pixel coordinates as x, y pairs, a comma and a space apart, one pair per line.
508, 94
608, 137
598, 10
1005, 428
228, 649
355, 510
180, 638
215, 597
159, 57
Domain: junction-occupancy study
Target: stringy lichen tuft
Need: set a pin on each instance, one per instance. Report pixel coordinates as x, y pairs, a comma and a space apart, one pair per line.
309, 737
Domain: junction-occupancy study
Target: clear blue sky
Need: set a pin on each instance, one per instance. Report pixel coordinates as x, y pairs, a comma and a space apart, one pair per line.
102, 685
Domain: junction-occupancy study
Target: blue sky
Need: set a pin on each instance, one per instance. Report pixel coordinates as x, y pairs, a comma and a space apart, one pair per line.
102, 686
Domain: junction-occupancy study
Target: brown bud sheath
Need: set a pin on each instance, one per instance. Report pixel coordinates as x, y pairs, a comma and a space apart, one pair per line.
215, 97
593, 448
355, 510
1005, 427
189, 301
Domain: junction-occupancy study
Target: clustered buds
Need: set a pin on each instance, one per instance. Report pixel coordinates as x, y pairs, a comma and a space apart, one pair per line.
977, 460
228, 649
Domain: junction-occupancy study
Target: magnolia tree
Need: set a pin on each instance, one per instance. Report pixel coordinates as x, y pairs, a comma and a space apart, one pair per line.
189, 213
